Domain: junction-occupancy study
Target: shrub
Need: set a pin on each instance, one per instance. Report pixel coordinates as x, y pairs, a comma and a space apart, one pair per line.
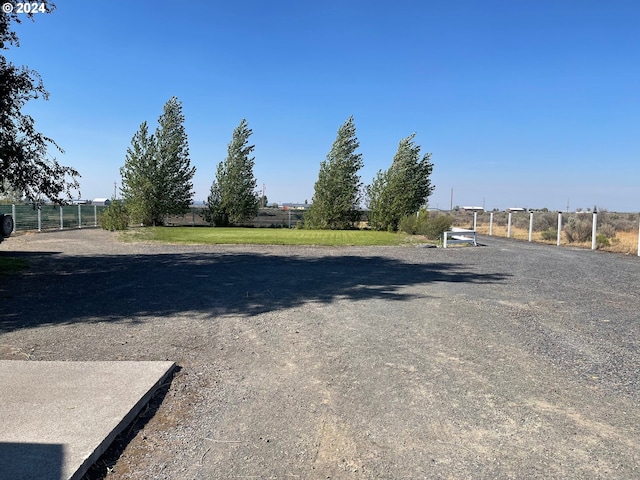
622, 222
607, 230
550, 234
115, 216
578, 230
602, 240
407, 224
431, 227
543, 221
436, 226
520, 220
414, 224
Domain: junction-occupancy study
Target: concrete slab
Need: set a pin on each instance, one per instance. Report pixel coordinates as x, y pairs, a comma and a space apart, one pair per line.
57, 418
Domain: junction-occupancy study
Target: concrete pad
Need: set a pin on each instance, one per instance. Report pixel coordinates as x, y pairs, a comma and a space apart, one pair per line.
57, 418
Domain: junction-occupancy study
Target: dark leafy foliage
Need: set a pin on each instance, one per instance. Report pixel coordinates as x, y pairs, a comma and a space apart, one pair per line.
25, 164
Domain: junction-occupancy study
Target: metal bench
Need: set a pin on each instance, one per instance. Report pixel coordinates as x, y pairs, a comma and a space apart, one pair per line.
460, 235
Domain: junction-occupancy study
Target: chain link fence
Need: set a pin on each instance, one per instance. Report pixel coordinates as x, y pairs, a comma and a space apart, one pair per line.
267, 218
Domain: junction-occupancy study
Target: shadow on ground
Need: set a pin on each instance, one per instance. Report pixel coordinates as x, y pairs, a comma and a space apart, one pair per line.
58, 289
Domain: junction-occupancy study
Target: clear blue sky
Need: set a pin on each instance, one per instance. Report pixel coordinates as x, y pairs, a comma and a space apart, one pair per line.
527, 103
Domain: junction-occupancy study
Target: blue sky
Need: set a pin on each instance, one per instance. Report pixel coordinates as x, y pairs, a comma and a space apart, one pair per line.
521, 102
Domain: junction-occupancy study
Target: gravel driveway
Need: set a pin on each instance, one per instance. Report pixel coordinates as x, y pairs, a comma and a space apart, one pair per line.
509, 360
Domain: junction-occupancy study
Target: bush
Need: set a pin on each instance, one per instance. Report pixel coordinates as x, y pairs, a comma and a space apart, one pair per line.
550, 234
520, 220
607, 230
622, 222
578, 230
436, 226
602, 240
114, 217
544, 221
407, 224
431, 227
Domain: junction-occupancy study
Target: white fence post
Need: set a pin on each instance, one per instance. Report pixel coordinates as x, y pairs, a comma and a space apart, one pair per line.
475, 219
559, 227
61, 218
95, 216
509, 226
13, 214
593, 230
491, 224
79, 216
39, 219
530, 225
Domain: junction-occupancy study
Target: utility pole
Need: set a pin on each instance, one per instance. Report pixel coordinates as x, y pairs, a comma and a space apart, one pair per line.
451, 206
115, 189
264, 189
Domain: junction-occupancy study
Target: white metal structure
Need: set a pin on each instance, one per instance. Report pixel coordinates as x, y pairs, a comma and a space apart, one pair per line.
460, 235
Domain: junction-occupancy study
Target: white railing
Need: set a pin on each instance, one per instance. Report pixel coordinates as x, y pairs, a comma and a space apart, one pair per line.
460, 235
594, 229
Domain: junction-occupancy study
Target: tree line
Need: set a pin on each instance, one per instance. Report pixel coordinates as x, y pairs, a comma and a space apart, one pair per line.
156, 179
157, 174
399, 191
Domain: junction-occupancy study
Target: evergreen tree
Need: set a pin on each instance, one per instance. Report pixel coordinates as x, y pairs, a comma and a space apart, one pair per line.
402, 189
233, 196
175, 173
25, 166
139, 175
336, 198
379, 202
156, 177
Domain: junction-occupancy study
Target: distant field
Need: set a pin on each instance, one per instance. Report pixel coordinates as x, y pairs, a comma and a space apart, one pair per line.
266, 236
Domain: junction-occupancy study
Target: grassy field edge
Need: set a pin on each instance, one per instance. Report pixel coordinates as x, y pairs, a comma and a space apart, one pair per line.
268, 236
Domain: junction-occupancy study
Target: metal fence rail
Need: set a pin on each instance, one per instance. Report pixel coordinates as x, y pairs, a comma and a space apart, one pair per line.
52, 217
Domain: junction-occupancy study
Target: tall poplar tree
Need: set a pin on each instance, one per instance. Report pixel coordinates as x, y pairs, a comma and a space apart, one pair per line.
139, 175
157, 175
175, 173
233, 196
336, 197
402, 189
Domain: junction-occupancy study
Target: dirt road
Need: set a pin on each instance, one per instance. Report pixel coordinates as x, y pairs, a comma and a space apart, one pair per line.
508, 360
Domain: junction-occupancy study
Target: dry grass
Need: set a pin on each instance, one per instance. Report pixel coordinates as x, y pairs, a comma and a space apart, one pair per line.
624, 242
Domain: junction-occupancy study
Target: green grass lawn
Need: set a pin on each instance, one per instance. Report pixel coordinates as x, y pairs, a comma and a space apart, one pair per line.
266, 236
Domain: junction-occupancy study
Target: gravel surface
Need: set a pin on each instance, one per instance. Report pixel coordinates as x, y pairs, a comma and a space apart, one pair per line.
509, 360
